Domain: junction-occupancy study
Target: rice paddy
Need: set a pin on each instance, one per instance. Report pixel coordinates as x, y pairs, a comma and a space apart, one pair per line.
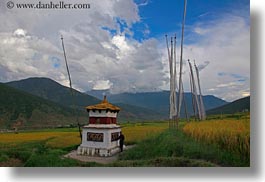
232, 135
62, 139
225, 142
137, 132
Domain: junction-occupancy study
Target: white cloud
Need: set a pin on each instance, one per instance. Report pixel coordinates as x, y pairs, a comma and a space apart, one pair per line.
102, 85
225, 45
98, 58
218, 46
200, 31
245, 93
24, 56
20, 32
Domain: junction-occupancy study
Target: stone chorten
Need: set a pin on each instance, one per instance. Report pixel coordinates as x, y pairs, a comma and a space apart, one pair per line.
100, 137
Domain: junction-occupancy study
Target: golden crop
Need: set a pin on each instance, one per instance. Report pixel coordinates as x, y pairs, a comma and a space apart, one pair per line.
136, 133
28, 136
65, 140
61, 139
54, 138
233, 135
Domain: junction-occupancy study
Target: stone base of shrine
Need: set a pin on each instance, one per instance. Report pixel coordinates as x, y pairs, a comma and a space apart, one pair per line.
100, 140
82, 150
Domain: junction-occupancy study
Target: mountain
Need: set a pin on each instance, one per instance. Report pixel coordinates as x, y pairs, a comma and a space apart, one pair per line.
159, 101
239, 105
53, 91
98, 93
32, 111
130, 113
135, 106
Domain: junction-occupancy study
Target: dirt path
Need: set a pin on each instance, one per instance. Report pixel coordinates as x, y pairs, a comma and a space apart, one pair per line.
102, 160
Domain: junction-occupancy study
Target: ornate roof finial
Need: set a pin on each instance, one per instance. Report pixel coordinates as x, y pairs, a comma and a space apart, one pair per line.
105, 99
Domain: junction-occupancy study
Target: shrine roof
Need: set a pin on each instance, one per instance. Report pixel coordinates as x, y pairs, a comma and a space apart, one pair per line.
104, 105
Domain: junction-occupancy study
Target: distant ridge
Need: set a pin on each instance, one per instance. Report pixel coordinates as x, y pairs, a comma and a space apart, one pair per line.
99, 93
135, 106
32, 111
51, 90
239, 105
159, 101
55, 92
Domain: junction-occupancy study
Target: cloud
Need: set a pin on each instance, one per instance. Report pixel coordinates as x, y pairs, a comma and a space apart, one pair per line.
20, 33
100, 51
46, 23
200, 31
143, 3
24, 56
226, 43
102, 85
126, 64
221, 52
203, 65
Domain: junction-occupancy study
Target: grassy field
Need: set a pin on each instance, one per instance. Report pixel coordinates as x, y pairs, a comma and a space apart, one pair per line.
45, 148
62, 138
208, 143
232, 135
137, 132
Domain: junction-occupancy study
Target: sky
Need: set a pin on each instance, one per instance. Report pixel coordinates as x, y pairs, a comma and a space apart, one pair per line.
120, 44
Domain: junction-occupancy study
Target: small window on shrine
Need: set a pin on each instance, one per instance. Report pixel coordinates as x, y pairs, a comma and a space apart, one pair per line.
115, 136
95, 137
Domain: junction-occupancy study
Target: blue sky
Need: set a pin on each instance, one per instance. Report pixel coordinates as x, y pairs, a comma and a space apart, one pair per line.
120, 45
165, 16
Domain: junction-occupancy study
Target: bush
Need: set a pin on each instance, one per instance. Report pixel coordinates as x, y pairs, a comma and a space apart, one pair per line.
3, 157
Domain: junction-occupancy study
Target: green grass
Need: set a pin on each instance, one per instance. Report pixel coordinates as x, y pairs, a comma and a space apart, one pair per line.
163, 162
36, 154
174, 145
170, 148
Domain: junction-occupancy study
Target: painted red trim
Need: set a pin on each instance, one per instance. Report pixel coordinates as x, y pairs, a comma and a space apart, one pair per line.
102, 120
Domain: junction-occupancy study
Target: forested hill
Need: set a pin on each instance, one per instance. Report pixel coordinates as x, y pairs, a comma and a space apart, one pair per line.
239, 105
32, 111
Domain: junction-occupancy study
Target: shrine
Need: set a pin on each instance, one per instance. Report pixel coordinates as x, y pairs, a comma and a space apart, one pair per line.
101, 136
